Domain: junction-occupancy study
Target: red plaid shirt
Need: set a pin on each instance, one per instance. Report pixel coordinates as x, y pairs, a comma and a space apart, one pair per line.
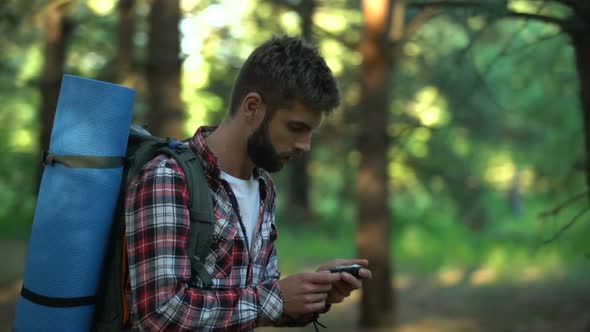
245, 290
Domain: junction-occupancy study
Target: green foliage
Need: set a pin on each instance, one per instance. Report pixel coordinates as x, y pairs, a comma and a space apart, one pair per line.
482, 107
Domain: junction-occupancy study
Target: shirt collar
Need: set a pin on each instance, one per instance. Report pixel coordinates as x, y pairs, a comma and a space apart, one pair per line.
209, 161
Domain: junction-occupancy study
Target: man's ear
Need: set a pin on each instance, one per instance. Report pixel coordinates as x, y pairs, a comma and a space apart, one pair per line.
254, 109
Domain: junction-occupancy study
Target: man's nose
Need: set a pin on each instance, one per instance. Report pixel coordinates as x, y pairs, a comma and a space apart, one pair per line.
303, 143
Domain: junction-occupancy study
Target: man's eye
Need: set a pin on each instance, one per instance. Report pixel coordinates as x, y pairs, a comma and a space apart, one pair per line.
296, 128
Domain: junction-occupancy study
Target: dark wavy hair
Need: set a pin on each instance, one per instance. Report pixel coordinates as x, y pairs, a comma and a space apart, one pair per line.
284, 69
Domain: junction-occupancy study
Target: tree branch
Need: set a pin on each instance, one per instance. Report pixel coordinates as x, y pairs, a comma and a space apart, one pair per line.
529, 46
503, 13
577, 6
561, 206
481, 75
322, 32
447, 3
567, 226
285, 4
424, 16
339, 38
537, 17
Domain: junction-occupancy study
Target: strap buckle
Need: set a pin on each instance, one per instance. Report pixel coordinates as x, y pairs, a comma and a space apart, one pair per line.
175, 144
48, 159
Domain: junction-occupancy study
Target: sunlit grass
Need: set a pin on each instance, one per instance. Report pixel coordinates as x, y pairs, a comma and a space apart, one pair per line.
430, 241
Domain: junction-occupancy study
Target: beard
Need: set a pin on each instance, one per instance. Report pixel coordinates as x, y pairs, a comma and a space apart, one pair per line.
262, 152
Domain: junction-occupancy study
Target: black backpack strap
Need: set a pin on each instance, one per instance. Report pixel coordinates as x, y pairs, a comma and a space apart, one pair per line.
201, 211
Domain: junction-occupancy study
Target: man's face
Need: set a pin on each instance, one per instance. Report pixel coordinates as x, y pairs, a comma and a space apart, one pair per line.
285, 135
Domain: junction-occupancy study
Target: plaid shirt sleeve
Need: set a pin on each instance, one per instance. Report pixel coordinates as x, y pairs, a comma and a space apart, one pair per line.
157, 230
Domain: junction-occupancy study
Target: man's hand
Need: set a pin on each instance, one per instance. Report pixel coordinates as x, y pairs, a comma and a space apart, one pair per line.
347, 283
305, 293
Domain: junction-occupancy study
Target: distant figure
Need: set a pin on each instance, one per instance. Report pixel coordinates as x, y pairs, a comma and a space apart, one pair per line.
515, 196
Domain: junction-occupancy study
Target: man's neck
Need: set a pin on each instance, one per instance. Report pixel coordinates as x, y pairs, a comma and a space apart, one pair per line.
228, 144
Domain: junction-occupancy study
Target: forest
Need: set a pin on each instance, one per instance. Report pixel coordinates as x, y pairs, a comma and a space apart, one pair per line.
457, 163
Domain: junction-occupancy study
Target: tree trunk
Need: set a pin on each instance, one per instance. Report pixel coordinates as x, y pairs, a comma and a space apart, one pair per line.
56, 29
374, 228
166, 112
299, 199
123, 67
581, 43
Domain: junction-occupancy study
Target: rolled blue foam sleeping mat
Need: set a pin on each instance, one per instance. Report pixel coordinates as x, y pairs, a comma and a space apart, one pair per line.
75, 207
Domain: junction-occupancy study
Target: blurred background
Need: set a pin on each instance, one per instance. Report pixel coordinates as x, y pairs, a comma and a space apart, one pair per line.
457, 163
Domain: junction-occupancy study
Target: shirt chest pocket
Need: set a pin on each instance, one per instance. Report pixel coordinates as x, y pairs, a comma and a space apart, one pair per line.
268, 236
223, 251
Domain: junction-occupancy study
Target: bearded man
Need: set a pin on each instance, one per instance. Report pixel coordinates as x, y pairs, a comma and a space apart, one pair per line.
279, 98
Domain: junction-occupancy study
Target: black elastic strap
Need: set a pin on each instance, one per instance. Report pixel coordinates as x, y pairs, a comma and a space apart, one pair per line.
59, 302
83, 161
316, 322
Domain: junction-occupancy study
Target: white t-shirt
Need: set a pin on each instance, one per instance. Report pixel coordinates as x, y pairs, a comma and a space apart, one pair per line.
247, 194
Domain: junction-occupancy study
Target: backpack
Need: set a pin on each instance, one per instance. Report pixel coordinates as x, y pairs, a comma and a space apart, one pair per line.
112, 309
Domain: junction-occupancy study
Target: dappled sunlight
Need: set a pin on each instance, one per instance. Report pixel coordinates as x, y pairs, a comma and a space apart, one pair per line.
333, 23
401, 174
196, 116
189, 5
412, 49
290, 22
535, 7
191, 45
460, 141
411, 242
92, 61
430, 108
33, 63
532, 273
476, 22
482, 276
418, 142
403, 281
18, 127
101, 7
354, 158
527, 179
334, 55
450, 277
440, 324
22, 140
500, 170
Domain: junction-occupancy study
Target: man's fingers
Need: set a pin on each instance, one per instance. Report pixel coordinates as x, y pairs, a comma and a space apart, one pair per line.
317, 288
315, 297
314, 307
351, 281
365, 274
335, 298
321, 277
342, 289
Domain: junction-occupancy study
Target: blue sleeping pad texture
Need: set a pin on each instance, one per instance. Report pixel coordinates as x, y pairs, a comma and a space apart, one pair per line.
75, 206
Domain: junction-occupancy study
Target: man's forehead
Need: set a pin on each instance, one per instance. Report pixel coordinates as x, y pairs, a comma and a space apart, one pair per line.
299, 112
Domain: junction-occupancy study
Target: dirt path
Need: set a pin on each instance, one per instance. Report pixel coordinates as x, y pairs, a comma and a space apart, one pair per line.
424, 305
12, 258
